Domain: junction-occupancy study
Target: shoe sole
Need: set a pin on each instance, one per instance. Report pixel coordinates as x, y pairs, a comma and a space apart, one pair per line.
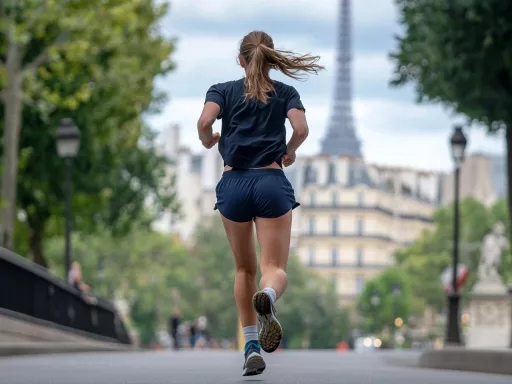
271, 332
255, 365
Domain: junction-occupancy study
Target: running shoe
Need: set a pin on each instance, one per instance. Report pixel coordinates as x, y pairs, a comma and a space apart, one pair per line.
254, 363
271, 332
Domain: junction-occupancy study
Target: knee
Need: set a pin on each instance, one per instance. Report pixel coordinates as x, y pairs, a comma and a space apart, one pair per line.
247, 271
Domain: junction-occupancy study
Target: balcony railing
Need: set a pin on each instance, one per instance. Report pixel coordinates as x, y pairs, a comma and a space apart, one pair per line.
368, 208
347, 265
347, 235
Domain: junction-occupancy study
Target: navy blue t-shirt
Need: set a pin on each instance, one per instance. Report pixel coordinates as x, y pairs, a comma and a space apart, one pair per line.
253, 133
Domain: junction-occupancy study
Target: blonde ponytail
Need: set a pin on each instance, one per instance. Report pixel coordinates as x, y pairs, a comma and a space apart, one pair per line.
257, 49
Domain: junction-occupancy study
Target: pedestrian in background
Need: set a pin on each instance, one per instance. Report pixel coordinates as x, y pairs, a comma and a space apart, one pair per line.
174, 324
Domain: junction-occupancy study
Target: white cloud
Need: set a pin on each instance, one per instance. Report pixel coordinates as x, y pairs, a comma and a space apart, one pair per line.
365, 12
376, 121
202, 61
221, 53
393, 132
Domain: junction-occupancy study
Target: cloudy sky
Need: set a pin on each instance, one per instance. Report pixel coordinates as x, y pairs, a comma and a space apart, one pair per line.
393, 129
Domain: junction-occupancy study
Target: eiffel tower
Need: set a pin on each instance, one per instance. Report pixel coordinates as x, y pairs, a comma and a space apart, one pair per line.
341, 138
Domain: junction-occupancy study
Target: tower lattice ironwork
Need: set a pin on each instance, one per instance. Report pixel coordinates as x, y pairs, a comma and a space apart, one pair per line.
341, 138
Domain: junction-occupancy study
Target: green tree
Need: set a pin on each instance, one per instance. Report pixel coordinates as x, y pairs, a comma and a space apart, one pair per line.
212, 271
378, 304
142, 267
426, 259
309, 307
44, 40
458, 53
118, 166
310, 310
147, 268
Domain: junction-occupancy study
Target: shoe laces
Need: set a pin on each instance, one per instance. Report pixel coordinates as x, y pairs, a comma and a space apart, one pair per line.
252, 346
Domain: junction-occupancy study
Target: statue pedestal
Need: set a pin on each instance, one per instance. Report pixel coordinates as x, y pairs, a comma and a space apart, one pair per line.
490, 319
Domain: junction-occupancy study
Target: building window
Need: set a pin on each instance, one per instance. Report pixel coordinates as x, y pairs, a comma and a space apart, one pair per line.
360, 199
310, 176
359, 284
358, 173
359, 226
334, 226
312, 198
334, 199
332, 173
311, 257
406, 190
311, 225
359, 256
334, 257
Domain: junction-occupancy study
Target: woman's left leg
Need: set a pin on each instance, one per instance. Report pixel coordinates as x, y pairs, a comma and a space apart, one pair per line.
241, 239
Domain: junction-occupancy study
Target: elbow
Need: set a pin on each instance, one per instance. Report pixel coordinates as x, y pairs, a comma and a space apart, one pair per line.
202, 125
302, 133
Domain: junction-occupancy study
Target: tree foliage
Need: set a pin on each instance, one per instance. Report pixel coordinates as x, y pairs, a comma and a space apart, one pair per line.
458, 53
118, 166
378, 304
92, 60
426, 259
147, 269
310, 310
309, 307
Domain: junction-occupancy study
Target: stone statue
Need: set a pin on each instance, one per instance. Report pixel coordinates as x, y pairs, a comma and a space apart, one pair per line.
490, 254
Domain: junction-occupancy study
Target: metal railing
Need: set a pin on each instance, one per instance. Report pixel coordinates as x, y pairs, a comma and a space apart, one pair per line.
368, 208
28, 290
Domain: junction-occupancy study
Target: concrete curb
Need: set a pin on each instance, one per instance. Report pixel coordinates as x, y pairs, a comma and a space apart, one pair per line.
471, 360
39, 348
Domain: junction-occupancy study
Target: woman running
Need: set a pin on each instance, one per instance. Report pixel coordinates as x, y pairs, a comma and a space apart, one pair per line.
253, 187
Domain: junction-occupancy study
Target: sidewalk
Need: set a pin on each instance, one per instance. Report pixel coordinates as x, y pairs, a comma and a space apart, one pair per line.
471, 360
39, 348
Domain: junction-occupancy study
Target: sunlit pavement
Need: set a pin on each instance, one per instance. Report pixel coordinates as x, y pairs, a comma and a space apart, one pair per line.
205, 367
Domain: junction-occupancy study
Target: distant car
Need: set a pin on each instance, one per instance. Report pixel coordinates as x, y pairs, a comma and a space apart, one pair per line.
367, 344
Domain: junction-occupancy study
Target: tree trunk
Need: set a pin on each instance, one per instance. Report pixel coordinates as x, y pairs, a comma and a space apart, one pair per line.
36, 247
508, 134
12, 115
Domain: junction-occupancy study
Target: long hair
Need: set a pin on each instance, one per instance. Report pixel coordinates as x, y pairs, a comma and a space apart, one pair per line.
257, 49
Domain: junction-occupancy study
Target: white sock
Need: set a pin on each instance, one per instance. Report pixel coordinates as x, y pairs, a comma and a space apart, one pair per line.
250, 333
271, 293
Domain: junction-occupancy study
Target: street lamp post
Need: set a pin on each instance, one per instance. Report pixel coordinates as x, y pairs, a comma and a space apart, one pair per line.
458, 145
68, 142
510, 300
374, 302
396, 293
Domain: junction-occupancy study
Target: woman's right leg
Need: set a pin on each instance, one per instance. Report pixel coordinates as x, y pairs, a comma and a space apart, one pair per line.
274, 238
241, 240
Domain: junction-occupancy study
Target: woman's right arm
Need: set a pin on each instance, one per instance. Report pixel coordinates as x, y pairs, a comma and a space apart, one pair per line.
300, 128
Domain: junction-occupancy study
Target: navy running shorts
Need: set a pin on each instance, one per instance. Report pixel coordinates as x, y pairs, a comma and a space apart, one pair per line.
243, 195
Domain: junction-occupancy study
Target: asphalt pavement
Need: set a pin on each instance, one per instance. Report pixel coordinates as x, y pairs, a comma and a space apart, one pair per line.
219, 367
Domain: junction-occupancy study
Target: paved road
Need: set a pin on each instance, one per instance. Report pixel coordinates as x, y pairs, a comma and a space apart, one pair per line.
225, 367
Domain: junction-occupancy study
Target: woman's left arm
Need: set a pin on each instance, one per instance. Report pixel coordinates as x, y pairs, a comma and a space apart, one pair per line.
210, 113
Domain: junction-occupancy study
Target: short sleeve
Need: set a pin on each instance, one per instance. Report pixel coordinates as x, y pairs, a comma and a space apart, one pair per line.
216, 95
293, 100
